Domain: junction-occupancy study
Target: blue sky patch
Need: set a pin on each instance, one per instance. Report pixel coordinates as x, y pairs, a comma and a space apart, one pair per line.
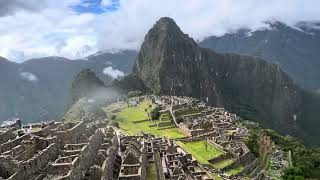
95, 7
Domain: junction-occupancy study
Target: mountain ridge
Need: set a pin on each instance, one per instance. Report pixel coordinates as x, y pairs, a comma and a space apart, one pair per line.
294, 48
174, 64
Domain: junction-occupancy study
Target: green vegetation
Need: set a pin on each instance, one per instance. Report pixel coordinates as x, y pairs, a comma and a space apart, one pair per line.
199, 151
151, 171
306, 162
133, 120
235, 171
214, 176
252, 143
222, 164
134, 93
155, 114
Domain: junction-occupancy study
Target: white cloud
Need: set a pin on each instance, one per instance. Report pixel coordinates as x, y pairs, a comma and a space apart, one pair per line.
106, 3
57, 30
114, 73
29, 76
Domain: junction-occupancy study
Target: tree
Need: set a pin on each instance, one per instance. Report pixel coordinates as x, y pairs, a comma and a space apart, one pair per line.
155, 114
114, 123
252, 144
113, 117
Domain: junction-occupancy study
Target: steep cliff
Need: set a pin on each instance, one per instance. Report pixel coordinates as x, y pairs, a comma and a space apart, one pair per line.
170, 62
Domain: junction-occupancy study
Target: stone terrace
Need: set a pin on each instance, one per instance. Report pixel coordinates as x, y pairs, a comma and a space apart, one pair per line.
62, 151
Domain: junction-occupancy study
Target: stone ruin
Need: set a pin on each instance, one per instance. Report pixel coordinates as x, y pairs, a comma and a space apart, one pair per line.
140, 151
60, 151
215, 125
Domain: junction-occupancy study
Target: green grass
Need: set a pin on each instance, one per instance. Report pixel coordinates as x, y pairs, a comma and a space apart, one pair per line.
151, 171
223, 164
235, 171
199, 152
132, 120
214, 176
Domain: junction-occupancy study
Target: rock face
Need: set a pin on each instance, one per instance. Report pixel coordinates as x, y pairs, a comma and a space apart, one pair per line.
170, 62
294, 48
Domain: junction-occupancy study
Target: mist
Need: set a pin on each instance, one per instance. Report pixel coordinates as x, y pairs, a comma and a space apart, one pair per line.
92, 103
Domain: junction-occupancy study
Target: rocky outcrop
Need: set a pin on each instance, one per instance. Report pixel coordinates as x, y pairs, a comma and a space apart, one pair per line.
84, 84
170, 62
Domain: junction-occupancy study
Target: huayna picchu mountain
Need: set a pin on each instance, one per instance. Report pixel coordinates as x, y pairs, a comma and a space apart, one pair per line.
172, 63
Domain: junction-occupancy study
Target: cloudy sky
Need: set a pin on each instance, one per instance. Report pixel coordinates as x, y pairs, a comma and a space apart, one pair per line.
77, 28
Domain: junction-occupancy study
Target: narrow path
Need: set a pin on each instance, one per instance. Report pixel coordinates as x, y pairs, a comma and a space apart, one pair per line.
171, 112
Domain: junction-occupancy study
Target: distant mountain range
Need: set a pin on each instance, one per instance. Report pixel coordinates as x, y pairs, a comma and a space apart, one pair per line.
39, 88
172, 63
294, 48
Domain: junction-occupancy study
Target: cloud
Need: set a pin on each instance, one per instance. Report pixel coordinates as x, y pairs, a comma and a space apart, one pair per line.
11, 6
106, 3
114, 73
58, 29
29, 76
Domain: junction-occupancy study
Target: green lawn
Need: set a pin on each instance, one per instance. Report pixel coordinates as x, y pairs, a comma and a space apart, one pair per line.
132, 120
235, 170
151, 171
222, 164
198, 150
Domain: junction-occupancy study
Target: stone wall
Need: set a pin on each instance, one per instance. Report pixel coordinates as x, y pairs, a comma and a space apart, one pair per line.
7, 135
243, 160
37, 163
249, 168
8, 166
71, 136
144, 163
87, 156
11, 144
220, 158
158, 163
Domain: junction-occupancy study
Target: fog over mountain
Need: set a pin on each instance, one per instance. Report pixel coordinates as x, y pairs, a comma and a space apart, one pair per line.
294, 48
38, 89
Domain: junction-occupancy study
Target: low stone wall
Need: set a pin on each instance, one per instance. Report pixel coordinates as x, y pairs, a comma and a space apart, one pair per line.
11, 144
249, 168
197, 132
243, 160
167, 123
215, 144
8, 166
7, 135
38, 162
46, 131
71, 136
87, 156
220, 158
191, 139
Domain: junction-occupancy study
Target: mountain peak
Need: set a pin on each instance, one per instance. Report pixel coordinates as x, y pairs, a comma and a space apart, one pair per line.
166, 21
163, 27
